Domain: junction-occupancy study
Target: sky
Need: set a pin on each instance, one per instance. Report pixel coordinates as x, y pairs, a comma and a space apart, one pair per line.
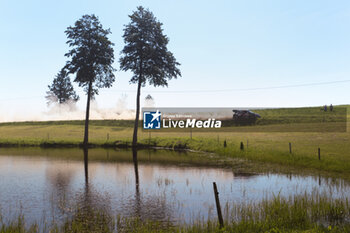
232, 53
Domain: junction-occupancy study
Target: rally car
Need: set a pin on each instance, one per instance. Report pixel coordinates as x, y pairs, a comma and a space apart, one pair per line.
244, 117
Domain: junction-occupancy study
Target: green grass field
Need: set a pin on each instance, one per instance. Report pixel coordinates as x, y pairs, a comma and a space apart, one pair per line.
259, 145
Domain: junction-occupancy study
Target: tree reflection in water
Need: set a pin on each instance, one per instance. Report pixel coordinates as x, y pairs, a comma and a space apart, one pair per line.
137, 184
149, 207
92, 210
89, 204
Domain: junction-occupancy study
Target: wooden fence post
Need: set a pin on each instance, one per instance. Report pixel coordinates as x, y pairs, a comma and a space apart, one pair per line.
290, 148
319, 154
218, 207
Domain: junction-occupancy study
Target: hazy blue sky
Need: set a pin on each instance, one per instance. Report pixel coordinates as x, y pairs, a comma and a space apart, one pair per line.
220, 44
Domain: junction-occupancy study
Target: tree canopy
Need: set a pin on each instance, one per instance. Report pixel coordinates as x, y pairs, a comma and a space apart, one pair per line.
145, 52
61, 89
92, 54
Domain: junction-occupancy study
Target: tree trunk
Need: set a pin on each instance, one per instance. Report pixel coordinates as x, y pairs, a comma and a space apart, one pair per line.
86, 133
134, 139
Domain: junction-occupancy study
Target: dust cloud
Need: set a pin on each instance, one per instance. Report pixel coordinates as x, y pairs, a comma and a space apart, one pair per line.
70, 111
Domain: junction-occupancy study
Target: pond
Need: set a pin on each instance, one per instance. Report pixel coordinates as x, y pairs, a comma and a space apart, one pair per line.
46, 185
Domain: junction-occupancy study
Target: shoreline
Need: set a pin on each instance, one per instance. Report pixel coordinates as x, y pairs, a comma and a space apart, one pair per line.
269, 160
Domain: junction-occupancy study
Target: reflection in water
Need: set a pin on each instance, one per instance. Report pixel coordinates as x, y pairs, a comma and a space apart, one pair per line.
156, 185
86, 165
137, 184
91, 208
86, 195
60, 178
148, 206
136, 169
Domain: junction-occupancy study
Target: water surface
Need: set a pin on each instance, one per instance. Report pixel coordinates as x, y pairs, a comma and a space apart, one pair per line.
47, 184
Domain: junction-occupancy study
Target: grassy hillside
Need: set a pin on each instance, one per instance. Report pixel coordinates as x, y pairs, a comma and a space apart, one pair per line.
301, 115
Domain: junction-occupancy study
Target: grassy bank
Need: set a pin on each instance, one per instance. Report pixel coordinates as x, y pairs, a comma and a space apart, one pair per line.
303, 213
269, 147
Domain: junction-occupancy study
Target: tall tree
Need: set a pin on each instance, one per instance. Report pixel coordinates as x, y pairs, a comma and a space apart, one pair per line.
146, 55
91, 59
61, 89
